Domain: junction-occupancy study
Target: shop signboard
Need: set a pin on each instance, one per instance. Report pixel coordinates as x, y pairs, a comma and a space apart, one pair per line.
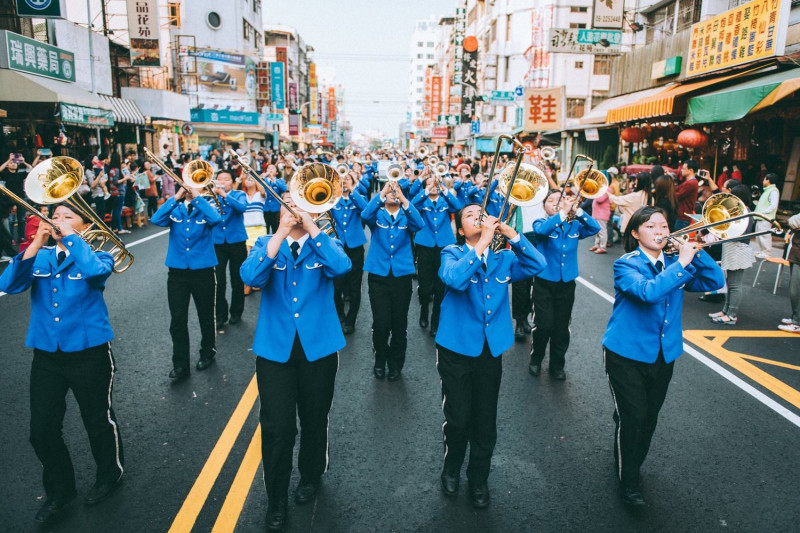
45, 9
143, 30
439, 132
224, 116
572, 41
34, 57
227, 79
277, 75
543, 109
436, 96
293, 95
608, 14
592, 134
274, 118
502, 98
448, 120
294, 124
469, 77
86, 116
752, 31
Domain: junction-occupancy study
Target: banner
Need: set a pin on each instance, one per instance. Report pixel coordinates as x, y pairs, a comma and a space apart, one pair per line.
436, 97
608, 14
86, 116
294, 124
224, 116
543, 109
34, 57
575, 41
143, 29
281, 57
223, 78
331, 104
458, 42
293, 95
538, 74
752, 31
277, 77
313, 114
469, 78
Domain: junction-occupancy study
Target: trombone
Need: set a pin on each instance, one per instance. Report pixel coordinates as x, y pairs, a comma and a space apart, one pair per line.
198, 174
490, 177
592, 183
315, 188
726, 217
56, 181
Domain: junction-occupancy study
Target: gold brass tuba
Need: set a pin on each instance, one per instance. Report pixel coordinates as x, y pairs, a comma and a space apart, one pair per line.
56, 181
316, 188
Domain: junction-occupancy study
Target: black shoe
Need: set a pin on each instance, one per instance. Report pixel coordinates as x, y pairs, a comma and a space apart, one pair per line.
433, 332
535, 370
379, 373
306, 491
712, 298
519, 332
559, 375
423, 317
52, 509
525, 325
221, 324
101, 490
632, 497
393, 375
347, 329
450, 483
276, 516
205, 362
178, 374
235, 320
479, 494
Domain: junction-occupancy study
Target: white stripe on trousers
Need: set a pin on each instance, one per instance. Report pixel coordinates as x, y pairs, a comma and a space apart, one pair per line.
108, 411
619, 418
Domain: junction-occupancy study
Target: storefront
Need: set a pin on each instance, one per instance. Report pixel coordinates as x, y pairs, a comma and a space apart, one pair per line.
128, 123
215, 127
165, 112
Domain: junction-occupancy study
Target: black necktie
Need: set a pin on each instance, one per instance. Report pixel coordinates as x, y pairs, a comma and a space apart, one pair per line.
483, 264
295, 246
61, 256
659, 266
189, 209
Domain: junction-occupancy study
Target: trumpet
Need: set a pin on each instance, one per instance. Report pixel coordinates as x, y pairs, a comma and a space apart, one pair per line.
197, 174
315, 188
56, 181
724, 216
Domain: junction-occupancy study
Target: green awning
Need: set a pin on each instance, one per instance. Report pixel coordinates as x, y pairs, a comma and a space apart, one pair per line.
735, 102
490, 145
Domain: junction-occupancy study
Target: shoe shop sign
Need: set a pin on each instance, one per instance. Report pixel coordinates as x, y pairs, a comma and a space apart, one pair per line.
34, 57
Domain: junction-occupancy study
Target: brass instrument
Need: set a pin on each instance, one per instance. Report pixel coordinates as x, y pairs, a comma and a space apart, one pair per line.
198, 176
394, 173
591, 183
521, 151
423, 152
725, 216
342, 169
548, 153
315, 188
320, 151
441, 169
56, 181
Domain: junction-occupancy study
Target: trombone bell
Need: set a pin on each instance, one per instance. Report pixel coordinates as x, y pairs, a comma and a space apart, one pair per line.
54, 180
394, 172
593, 183
316, 188
529, 188
197, 174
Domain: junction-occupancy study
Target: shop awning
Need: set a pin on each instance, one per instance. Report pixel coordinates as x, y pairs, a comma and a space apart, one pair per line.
22, 87
483, 144
159, 104
662, 103
125, 111
733, 103
599, 113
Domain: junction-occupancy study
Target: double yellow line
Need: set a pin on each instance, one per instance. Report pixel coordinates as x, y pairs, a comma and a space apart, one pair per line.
234, 501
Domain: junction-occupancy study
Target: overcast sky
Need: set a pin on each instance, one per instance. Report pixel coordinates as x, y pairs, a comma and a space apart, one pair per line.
366, 44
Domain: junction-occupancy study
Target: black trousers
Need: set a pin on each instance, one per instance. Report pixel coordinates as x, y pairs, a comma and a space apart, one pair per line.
389, 298
638, 390
231, 255
470, 387
349, 286
272, 219
552, 312
200, 285
301, 387
90, 375
521, 300
431, 287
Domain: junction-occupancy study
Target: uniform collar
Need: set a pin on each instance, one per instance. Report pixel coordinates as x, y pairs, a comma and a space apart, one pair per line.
653, 261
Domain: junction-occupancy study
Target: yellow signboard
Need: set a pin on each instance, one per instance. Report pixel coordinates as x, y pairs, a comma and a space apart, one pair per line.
752, 31
543, 109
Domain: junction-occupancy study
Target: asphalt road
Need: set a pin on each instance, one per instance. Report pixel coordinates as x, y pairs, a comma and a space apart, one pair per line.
722, 459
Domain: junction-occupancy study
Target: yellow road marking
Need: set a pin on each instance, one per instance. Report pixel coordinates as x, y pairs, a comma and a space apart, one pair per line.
712, 341
234, 501
196, 499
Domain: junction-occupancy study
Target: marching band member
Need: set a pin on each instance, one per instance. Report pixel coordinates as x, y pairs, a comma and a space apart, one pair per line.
229, 245
295, 365
191, 261
475, 329
271, 206
554, 288
70, 334
644, 335
253, 216
390, 263
347, 217
435, 204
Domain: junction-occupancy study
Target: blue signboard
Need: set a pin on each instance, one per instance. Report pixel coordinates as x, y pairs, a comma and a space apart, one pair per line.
594, 36
476, 127
277, 76
223, 116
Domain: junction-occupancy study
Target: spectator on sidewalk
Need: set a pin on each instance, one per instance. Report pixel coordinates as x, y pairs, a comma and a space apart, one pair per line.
686, 193
792, 324
631, 202
767, 206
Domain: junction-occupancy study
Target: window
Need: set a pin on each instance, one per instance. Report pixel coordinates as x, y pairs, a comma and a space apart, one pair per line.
574, 25
213, 20
576, 107
419, 89
662, 22
419, 56
419, 67
508, 27
419, 78
419, 44
598, 97
430, 45
579, 64
602, 65
507, 67
246, 30
174, 14
430, 56
574, 9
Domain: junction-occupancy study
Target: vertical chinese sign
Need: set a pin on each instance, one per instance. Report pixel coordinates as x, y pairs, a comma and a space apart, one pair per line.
293, 95
281, 57
543, 109
538, 74
277, 79
312, 94
143, 29
469, 78
436, 97
332, 104
426, 103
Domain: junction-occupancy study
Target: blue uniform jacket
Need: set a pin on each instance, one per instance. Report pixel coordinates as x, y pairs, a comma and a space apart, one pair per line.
297, 297
390, 244
347, 217
475, 305
231, 227
558, 240
362, 187
279, 186
437, 230
68, 311
647, 305
191, 243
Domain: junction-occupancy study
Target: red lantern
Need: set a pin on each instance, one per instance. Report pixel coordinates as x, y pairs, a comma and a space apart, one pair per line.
632, 135
692, 138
